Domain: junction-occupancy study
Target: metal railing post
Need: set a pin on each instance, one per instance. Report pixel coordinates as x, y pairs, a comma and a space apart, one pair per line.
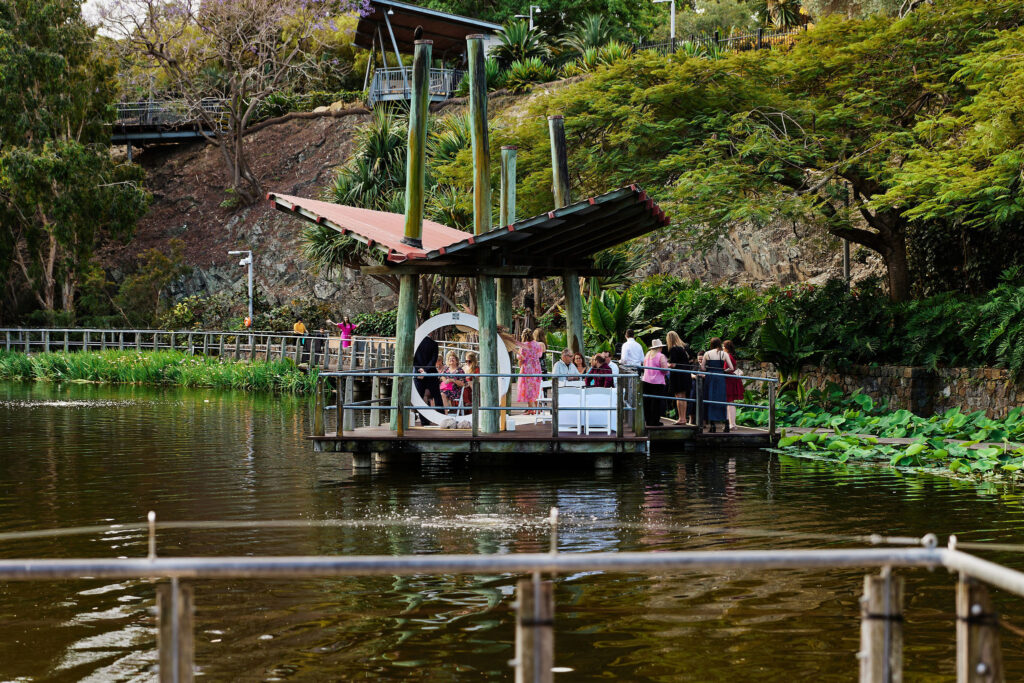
535, 631
554, 409
175, 607
318, 407
700, 403
349, 419
881, 628
979, 658
474, 411
620, 405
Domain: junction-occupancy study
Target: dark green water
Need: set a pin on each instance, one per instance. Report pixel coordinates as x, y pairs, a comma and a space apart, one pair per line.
84, 455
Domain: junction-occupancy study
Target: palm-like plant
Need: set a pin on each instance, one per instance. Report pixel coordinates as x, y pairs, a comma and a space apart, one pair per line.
779, 13
377, 168
518, 42
592, 32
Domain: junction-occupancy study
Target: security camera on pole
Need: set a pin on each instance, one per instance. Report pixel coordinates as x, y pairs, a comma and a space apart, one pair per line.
247, 261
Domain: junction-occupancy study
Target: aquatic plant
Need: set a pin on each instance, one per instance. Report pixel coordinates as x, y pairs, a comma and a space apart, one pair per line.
852, 427
162, 368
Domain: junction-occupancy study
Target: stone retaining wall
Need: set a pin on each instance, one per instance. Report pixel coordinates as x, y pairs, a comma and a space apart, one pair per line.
921, 390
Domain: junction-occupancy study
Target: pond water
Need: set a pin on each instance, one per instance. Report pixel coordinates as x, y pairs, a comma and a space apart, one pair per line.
79, 454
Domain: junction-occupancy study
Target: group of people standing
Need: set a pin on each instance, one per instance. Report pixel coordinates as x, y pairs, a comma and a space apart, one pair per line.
668, 372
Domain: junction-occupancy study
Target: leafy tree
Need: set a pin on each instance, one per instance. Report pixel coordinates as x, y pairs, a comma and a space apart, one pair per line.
557, 16
819, 134
140, 295
60, 192
235, 52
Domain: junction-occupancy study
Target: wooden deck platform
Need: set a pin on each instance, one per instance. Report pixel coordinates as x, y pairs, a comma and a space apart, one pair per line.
673, 436
379, 443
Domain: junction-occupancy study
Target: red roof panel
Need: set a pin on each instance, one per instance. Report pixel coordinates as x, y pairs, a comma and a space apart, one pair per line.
377, 228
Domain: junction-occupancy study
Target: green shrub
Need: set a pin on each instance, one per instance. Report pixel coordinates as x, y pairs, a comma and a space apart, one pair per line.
377, 324
522, 74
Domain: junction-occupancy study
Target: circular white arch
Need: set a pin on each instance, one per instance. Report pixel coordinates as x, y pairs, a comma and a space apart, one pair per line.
462, 320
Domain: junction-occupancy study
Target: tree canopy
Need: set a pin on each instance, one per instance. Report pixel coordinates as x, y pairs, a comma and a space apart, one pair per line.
864, 129
60, 191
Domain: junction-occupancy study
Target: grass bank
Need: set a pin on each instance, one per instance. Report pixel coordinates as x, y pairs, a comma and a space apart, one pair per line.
853, 427
169, 368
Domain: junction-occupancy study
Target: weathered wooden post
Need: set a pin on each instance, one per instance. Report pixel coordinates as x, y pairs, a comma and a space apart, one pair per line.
881, 629
978, 657
409, 283
506, 217
771, 411
535, 631
486, 304
560, 189
175, 635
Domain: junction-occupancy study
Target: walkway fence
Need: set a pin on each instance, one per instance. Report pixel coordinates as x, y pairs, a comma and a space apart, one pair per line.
169, 112
713, 43
311, 350
881, 615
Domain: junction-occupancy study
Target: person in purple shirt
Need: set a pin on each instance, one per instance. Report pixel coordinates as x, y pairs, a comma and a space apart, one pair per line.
600, 375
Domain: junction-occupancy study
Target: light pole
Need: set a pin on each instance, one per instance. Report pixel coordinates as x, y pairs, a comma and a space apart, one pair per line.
535, 8
247, 261
672, 24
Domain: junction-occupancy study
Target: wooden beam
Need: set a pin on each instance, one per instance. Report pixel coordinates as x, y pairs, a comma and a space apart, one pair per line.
535, 631
881, 629
405, 337
978, 655
559, 161
416, 157
506, 216
573, 311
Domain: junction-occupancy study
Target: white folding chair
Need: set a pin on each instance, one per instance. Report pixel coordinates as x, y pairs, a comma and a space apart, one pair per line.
544, 401
599, 420
569, 419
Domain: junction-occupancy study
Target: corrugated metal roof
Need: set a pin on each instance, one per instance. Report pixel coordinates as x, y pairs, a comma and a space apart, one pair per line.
377, 229
563, 238
447, 31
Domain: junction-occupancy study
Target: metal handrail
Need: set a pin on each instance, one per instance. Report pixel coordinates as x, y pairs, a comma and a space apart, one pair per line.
397, 80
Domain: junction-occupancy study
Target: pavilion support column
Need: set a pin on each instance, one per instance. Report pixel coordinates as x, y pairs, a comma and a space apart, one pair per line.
506, 217
405, 336
409, 284
486, 304
560, 189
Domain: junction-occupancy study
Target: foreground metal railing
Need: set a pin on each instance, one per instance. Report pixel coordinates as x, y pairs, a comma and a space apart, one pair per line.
881, 643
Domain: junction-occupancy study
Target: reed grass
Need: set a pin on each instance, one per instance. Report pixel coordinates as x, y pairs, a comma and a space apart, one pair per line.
167, 368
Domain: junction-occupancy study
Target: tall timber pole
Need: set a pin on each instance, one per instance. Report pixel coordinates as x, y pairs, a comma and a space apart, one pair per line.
507, 216
409, 283
560, 189
486, 295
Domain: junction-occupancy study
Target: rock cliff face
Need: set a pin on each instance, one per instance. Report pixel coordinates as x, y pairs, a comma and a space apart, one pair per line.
187, 182
299, 158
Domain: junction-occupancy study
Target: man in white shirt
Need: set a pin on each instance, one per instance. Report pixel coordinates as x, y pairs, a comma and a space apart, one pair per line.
564, 365
632, 353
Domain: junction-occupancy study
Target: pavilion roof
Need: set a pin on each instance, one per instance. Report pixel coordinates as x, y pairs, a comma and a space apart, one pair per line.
447, 31
559, 240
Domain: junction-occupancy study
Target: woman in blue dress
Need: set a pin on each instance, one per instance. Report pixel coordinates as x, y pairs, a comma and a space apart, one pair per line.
716, 363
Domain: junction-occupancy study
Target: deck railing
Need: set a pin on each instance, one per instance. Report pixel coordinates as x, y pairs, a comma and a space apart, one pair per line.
881, 615
395, 83
335, 396
335, 392
169, 112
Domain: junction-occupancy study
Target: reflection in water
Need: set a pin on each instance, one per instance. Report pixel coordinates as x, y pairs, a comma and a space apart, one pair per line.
86, 455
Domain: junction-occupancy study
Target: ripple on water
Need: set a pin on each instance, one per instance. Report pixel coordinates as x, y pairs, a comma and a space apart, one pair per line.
115, 454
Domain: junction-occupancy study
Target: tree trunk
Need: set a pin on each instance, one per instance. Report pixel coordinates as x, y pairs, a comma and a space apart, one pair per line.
897, 268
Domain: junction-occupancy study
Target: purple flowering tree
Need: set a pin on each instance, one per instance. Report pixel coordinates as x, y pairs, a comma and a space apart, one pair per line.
222, 58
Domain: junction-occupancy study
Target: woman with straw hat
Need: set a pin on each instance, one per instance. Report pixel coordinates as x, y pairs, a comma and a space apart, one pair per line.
653, 381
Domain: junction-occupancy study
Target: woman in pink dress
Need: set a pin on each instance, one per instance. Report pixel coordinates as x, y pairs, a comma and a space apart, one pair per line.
346, 328
530, 352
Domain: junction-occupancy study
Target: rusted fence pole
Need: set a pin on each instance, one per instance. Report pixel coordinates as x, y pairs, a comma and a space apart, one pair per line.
175, 607
535, 631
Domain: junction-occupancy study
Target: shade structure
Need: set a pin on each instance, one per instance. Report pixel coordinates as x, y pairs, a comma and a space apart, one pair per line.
551, 243
379, 230
448, 31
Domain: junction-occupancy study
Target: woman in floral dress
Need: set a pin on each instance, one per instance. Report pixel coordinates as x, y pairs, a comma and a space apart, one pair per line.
530, 352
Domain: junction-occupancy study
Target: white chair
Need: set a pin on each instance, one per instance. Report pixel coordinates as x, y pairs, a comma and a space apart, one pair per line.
544, 402
569, 419
599, 420
615, 373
